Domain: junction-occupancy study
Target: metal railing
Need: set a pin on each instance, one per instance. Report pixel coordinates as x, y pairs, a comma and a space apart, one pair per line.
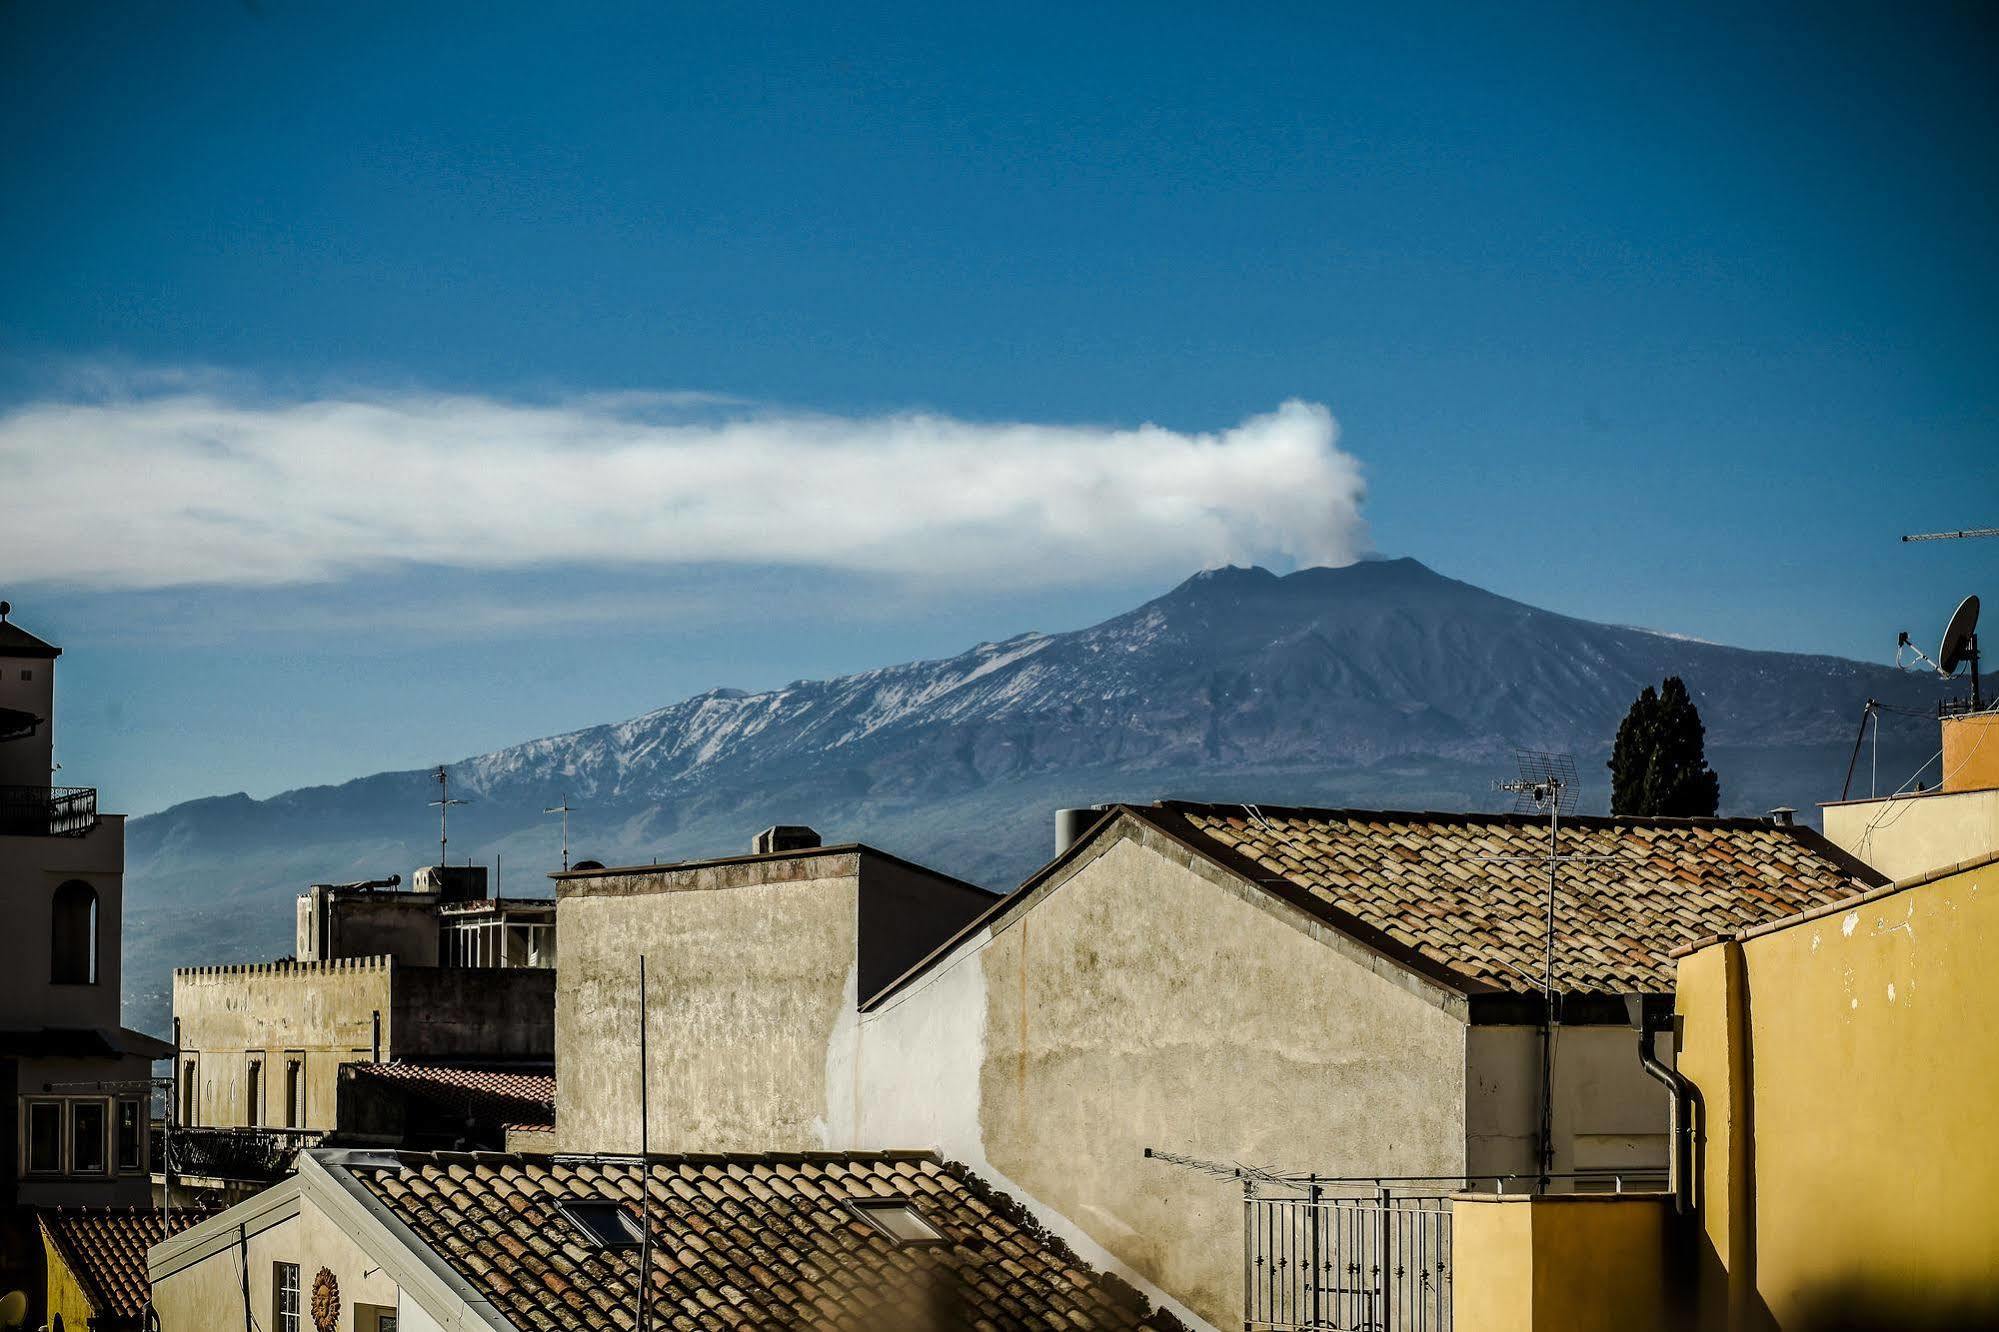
1322, 1260
47, 811
261, 1154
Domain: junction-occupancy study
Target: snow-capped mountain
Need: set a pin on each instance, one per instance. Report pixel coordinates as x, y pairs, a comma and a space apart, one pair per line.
1381, 684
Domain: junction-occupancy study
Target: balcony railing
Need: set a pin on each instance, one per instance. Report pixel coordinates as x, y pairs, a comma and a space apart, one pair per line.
259, 1155
47, 811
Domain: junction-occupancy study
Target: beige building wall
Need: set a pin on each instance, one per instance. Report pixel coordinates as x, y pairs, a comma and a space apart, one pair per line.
319, 1013
1847, 1065
1611, 1117
31, 869
276, 1227
1913, 835
746, 982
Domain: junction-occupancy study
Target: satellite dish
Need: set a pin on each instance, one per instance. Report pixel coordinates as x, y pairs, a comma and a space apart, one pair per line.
1960, 637
14, 1309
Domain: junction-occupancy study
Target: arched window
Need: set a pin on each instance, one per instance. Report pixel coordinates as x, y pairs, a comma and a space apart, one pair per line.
73, 935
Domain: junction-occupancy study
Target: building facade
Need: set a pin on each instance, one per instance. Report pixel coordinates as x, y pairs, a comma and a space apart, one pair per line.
74, 1083
439, 973
1351, 993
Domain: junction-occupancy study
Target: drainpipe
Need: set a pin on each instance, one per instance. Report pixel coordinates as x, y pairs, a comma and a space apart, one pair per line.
1652, 1014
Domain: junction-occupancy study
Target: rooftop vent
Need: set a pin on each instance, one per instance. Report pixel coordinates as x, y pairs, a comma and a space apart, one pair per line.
451, 883
1783, 816
784, 837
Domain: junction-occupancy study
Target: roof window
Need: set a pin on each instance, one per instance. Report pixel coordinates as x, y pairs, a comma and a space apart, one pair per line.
606, 1224
897, 1219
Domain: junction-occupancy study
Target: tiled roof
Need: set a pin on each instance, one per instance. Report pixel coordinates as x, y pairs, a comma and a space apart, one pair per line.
747, 1241
510, 1098
18, 642
105, 1250
1464, 896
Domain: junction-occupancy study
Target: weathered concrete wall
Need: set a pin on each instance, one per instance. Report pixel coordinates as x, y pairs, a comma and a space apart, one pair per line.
1847, 1066
1147, 1000
472, 1012
1917, 834
747, 981
356, 924
31, 869
324, 1011
211, 1293
1610, 1115
1568, 1263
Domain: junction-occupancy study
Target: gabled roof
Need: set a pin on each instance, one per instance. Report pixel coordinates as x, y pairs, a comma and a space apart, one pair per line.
1461, 899
105, 1250
508, 1097
18, 642
741, 1240
1466, 895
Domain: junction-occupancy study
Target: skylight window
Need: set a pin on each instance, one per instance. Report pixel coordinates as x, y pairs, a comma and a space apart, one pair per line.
605, 1224
897, 1220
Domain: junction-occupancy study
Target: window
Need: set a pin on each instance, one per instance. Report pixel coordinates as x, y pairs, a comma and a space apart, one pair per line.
88, 1123
27, 674
44, 1137
374, 1318
295, 1090
73, 935
253, 1091
190, 1085
604, 1223
285, 1305
131, 1136
896, 1219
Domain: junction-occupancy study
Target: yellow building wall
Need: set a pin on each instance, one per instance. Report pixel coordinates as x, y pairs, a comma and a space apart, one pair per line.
1848, 1067
1562, 1263
1917, 834
1971, 752
66, 1298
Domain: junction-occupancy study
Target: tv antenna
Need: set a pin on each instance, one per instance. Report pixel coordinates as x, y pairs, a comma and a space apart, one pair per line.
1547, 784
443, 805
1958, 647
565, 809
1961, 535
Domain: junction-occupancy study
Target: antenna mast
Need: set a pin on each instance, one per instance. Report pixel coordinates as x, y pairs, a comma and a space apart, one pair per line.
645, 1165
1962, 535
564, 809
443, 805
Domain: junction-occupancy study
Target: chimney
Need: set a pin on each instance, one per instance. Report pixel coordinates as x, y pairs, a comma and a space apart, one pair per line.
1072, 823
784, 837
1782, 816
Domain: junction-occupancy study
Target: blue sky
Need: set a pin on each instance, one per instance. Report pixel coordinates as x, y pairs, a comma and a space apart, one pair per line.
1659, 315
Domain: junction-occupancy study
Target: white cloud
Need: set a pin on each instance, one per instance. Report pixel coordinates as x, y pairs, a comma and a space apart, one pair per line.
179, 485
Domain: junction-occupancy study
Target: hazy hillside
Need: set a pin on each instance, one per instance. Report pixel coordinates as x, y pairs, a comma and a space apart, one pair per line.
1380, 684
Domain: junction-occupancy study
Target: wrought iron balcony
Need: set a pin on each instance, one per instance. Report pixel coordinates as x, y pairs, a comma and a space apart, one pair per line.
47, 811
257, 1155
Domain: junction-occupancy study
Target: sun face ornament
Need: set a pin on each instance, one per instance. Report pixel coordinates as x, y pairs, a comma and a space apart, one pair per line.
326, 1301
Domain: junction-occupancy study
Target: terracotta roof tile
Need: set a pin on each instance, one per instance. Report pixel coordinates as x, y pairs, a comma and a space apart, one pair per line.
1465, 895
105, 1250
509, 1097
748, 1241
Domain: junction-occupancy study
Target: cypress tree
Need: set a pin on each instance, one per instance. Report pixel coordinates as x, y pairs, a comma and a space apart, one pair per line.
1658, 765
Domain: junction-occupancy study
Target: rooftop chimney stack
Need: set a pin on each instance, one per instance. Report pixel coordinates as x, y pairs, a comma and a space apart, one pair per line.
1071, 824
784, 837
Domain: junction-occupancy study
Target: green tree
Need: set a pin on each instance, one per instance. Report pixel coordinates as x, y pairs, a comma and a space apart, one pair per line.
1659, 764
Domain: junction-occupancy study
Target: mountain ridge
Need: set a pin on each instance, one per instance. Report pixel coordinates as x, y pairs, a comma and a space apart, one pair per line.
1372, 684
